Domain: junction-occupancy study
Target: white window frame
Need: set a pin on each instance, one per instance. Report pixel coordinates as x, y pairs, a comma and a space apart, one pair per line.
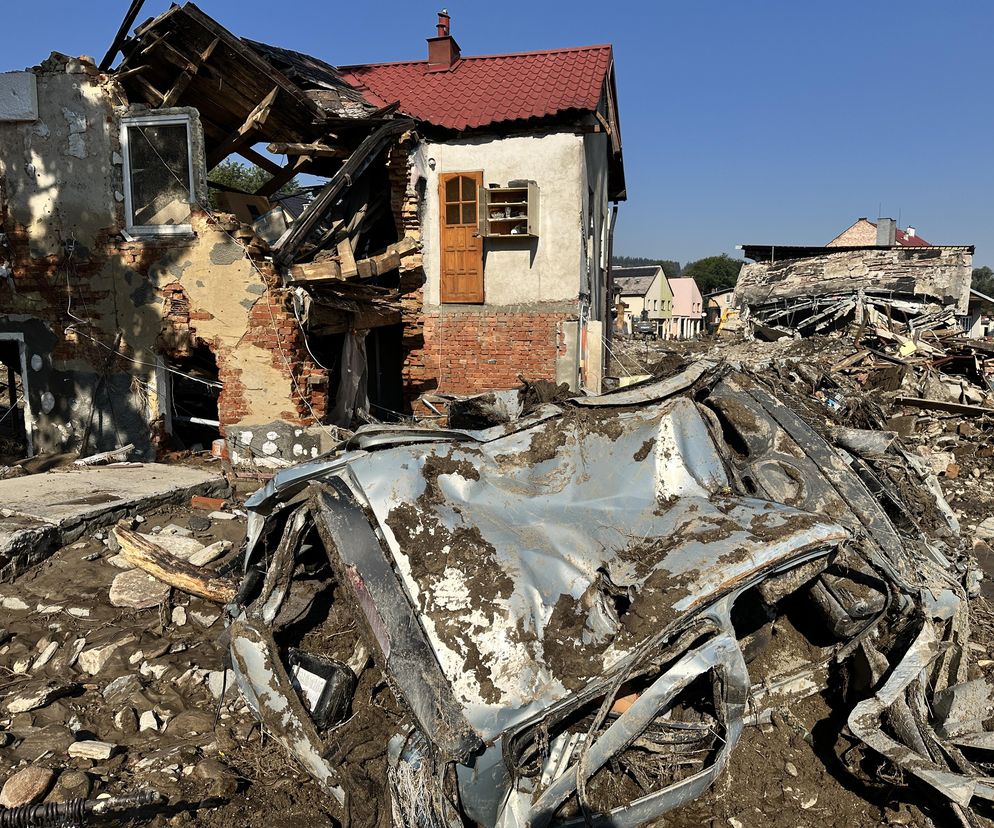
154, 229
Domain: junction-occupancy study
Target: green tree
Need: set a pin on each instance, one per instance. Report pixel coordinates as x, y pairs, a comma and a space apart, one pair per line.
244, 177
983, 280
670, 268
714, 272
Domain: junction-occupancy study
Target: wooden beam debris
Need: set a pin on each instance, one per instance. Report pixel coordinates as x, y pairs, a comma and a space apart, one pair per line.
160, 564
333, 271
243, 135
316, 150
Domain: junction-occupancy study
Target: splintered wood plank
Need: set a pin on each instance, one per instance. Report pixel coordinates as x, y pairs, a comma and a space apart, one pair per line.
317, 150
245, 133
260, 160
347, 258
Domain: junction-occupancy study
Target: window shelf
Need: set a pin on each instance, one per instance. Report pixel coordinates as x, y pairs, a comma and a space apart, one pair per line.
523, 200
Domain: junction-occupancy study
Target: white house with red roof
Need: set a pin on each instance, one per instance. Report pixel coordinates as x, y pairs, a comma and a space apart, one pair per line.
509, 183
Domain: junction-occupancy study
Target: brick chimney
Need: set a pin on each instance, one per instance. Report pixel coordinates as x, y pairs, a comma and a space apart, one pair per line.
443, 51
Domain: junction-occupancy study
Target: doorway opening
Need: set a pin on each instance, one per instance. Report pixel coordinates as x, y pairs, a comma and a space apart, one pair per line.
15, 413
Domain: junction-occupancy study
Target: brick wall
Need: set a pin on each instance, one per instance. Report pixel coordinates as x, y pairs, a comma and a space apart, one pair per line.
469, 352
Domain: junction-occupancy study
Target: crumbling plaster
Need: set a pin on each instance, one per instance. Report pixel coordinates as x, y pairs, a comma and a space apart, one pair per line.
79, 282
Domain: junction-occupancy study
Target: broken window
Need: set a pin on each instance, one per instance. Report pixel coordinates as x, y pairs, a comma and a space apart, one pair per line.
158, 174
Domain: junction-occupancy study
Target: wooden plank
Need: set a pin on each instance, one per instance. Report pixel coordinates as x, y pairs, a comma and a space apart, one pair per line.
332, 271
317, 150
122, 34
346, 258
185, 77
260, 160
946, 407
152, 95
157, 562
284, 176
256, 118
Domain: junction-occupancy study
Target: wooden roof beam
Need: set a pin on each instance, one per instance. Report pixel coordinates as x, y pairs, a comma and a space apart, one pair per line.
316, 150
245, 133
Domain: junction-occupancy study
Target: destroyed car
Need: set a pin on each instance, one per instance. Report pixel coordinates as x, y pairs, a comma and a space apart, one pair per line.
565, 618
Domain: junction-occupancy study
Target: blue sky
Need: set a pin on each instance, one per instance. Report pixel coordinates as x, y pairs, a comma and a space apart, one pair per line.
743, 120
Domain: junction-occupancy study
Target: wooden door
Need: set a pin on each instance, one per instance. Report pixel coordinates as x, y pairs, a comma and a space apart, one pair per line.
461, 265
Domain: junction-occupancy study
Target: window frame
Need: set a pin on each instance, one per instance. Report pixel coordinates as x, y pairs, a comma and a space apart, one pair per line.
155, 120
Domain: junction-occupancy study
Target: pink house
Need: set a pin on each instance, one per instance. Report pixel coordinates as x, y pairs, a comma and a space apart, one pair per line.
688, 309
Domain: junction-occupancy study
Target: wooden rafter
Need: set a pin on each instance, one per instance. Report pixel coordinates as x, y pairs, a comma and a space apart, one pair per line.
260, 160
188, 74
316, 150
245, 133
122, 34
285, 175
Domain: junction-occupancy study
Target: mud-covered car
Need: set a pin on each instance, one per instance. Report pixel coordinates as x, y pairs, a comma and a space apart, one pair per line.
566, 617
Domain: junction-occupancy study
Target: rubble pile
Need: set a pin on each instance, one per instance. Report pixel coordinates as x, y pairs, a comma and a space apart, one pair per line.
750, 588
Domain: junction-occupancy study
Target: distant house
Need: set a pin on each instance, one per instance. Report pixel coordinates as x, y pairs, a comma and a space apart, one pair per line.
644, 289
882, 233
979, 319
718, 306
688, 309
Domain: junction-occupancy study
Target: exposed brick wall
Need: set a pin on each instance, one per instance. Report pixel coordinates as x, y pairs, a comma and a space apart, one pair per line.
272, 327
469, 352
404, 202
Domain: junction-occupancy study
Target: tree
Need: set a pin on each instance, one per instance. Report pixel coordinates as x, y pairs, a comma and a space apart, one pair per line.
244, 177
670, 268
714, 272
983, 280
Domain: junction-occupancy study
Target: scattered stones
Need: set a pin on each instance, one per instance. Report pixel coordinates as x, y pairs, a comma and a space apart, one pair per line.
93, 660
148, 721
92, 749
223, 782
179, 616
198, 523
211, 553
205, 619
46, 655
137, 590
12, 602
126, 720
26, 787
71, 784
217, 678
35, 697
121, 689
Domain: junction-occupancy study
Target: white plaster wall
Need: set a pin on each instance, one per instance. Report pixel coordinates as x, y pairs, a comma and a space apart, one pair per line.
546, 269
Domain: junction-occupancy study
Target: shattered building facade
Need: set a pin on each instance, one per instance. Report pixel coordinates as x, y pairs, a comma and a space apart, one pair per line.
130, 312
815, 289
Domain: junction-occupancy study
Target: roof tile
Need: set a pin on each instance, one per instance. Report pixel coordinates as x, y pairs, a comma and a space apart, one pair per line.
479, 91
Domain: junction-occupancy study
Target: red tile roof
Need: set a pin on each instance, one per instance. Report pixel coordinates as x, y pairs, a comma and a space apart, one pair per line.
479, 91
902, 239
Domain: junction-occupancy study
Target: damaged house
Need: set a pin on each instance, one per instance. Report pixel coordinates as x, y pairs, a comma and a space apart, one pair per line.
131, 312
508, 189
790, 289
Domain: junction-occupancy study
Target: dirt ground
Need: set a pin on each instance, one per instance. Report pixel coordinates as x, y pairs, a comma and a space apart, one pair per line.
798, 770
